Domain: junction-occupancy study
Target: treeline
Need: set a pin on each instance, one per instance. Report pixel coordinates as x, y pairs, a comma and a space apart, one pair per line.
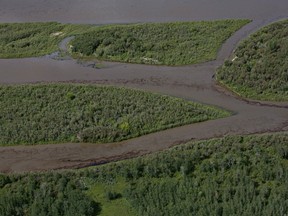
234, 175
45, 113
259, 69
161, 43
231, 176
44, 195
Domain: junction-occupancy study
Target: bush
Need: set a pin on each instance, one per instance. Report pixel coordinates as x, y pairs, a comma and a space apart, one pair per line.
35, 114
162, 43
260, 69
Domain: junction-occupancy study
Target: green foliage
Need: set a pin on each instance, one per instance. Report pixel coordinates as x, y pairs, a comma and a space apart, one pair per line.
162, 43
45, 113
230, 176
18, 40
46, 195
234, 175
113, 195
109, 195
170, 43
260, 67
29, 39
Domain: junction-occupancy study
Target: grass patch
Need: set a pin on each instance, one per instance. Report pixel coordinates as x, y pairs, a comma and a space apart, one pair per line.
260, 66
235, 175
111, 198
179, 43
46, 113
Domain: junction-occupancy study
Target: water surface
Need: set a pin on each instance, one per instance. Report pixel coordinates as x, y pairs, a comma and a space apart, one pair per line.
126, 11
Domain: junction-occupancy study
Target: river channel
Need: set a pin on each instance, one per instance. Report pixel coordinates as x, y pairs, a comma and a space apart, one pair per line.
194, 82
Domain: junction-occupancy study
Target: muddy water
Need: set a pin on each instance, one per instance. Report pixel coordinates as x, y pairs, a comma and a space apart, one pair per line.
189, 82
119, 11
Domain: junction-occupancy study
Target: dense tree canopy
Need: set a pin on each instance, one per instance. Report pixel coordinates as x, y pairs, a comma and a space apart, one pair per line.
234, 175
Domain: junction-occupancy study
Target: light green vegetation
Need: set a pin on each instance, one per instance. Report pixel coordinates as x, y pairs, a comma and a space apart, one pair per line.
234, 175
260, 67
110, 197
53, 113
177, 43
18, 40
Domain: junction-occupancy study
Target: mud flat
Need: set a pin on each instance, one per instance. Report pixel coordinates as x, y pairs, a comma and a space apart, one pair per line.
194, 82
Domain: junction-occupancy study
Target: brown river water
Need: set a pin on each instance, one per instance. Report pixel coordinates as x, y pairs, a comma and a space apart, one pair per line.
193, 82
127, 11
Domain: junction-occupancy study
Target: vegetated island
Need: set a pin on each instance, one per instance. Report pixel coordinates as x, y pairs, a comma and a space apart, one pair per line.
57, 113
178, 43
20, 40
259, 69
234, 175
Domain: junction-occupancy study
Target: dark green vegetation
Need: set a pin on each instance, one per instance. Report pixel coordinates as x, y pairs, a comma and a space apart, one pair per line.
260, 68
178, 43
18, 40
234, 175
33, 195
56, 113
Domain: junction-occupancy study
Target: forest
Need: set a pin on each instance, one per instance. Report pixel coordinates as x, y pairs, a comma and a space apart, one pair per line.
57, 113
233, 175
259, 68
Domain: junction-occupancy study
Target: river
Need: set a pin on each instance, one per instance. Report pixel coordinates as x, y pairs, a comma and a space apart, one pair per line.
193, 82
